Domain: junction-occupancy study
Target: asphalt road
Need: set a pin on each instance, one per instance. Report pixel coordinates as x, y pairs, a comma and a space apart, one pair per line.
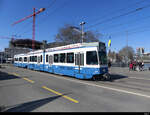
23, 90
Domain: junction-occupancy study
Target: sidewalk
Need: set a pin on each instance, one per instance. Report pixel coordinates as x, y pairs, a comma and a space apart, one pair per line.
125, 70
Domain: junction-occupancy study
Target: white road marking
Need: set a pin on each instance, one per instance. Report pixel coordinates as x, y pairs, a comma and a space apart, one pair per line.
138, 78
104, 87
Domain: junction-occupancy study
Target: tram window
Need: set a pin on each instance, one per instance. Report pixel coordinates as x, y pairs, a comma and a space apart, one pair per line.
41, 59
56, 58
46, 58
76, 59
70, 57
82, 59
30, 59
102, 57
20, 59
91, 58
35, 58
25, 59
62, 57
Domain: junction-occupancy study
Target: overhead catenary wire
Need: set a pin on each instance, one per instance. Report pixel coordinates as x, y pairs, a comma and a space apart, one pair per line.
122, 9
130, 32
126, 23
115, 17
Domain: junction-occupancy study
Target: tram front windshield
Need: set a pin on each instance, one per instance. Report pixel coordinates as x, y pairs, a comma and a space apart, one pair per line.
102, 57
92, 58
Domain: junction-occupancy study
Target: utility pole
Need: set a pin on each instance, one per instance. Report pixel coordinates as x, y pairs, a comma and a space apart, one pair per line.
127, 38
1, 57
82, 24
127, 46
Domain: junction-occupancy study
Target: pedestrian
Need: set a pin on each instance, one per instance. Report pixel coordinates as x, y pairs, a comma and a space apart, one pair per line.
134, 65
142, 66
130, 66
138, 66
109, 64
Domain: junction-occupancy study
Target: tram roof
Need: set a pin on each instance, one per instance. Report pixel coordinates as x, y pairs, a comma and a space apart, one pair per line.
78, 45
71, 46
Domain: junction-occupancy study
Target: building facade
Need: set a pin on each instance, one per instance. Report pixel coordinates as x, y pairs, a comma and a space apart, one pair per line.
10, 52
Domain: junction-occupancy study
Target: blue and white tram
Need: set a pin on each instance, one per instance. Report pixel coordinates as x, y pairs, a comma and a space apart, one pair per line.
81, 60
20, 60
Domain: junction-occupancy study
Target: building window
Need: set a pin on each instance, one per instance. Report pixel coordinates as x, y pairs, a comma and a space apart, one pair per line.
56, 58
70, 57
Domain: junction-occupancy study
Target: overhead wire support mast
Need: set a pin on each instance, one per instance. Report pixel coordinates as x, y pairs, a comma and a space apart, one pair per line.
32, 15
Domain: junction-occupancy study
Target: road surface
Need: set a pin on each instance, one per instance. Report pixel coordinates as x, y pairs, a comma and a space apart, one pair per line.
24, 90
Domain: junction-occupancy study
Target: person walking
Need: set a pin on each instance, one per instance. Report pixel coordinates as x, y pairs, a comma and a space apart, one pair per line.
109, 65
134, 65
130, 66
142, 66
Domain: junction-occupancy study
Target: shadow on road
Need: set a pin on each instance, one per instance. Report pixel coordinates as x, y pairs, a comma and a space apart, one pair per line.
30, 106
6, 76
113, 77
117, 76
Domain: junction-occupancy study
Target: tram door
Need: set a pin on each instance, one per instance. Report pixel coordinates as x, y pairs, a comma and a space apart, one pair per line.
50, 60
79, 62
50, 63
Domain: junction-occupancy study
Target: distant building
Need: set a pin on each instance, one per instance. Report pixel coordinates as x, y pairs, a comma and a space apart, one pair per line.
140, 51
10, 52
146, 54
2, 57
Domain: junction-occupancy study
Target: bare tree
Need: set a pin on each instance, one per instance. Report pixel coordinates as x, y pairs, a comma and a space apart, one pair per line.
127, 52
69, 35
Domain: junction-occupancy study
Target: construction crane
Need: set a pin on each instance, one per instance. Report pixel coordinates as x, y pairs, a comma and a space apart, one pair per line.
33, 31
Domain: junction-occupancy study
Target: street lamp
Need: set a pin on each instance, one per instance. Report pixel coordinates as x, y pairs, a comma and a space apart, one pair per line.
82, 24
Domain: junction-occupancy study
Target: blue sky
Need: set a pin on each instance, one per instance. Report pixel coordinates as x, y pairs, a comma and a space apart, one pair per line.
61, 12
